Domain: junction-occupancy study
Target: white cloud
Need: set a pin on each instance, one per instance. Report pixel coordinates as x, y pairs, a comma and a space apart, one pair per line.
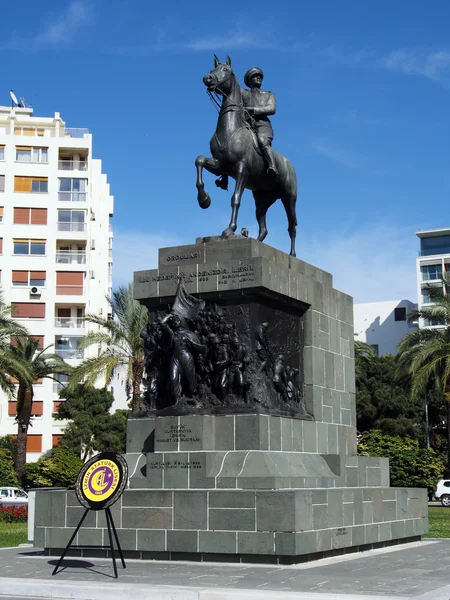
337, 155
372, 264
136, 251
64, 26
432, 65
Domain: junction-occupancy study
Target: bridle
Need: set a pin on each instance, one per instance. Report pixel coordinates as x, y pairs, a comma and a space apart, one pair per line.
214, 97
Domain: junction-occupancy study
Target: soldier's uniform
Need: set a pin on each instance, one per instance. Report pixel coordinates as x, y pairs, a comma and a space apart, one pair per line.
261, 105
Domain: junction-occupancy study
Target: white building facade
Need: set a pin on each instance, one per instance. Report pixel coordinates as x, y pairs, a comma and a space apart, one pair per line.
55, 248
433, 261
382, 325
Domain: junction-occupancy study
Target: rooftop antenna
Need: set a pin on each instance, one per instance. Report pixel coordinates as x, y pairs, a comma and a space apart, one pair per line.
14, 100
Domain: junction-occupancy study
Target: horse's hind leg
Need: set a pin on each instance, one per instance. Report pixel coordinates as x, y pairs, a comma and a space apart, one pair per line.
213, 166
262, 202
289, 206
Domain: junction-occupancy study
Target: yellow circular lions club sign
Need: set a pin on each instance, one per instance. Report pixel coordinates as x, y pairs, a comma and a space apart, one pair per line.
101, 480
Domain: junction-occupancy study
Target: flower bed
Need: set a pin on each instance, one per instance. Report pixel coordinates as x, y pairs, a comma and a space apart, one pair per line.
14, 514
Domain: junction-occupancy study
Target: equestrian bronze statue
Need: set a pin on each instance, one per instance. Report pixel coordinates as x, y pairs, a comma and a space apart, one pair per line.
241, 148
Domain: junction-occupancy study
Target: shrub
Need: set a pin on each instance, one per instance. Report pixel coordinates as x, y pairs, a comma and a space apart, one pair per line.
14, 514
60, 469
8, 476
409, 465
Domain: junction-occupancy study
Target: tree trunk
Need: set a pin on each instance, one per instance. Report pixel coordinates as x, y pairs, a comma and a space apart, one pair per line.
137, 375
24, 405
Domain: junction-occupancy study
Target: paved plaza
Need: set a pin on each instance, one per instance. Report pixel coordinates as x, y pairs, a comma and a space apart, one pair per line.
418, 570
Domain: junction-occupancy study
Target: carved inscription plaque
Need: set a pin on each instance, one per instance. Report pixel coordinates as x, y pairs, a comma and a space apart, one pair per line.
177, 433
175, 464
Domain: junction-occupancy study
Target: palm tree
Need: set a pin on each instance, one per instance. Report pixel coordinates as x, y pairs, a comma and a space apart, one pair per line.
424, 354
33, 365
120, 342
9, 328
363, 353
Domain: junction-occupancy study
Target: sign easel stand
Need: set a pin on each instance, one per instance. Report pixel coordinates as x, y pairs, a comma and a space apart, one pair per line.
111, 530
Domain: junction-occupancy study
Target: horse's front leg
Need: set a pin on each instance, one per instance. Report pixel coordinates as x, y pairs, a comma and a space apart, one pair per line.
213, 166
241, 180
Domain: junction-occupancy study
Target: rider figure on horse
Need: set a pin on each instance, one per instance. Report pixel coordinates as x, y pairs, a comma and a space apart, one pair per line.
259, 106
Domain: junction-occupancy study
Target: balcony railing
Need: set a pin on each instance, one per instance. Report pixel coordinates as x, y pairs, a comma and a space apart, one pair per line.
67, 257
72, 196
70, 353
436, 276
69, 323
74, 132
71, 226
69, 290
72, 165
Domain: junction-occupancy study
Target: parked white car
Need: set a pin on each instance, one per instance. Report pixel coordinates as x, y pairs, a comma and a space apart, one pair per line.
11, 496
442, 492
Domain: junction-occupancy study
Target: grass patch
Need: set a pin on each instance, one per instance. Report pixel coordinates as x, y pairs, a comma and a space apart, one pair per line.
439, 523
13, 534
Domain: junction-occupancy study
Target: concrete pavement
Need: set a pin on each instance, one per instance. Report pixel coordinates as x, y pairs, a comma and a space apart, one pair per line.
420, 570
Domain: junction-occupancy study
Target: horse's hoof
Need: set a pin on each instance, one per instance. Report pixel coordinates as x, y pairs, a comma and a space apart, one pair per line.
204, 200
227, 233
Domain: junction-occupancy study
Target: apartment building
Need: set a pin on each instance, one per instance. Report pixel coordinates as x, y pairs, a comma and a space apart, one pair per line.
55, 248
432, 262
382, 325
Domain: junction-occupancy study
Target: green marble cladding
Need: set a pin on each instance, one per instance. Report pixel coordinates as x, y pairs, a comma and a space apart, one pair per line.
285, 523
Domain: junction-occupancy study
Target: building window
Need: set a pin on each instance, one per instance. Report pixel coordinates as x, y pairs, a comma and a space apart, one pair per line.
29, 247
426, 298
2, 152
31, 154
28, 310
435, 322
29, 131
431, 272
30, 216
400, 313
28, 278
375, 348
72, 190
2, 183
55, 440
71, 220
35, 185
1, 214
69, 283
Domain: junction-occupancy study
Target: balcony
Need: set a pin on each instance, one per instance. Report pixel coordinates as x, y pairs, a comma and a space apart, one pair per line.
70, 353
68, 322
76, 132
71, 226
434, 251
72, 165
72, 196
71, 257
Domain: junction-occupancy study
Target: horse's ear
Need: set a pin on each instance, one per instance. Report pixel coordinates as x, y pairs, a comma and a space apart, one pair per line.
228, 61
216, 61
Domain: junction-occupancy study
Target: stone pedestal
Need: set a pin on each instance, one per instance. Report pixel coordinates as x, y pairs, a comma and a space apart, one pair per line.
270, 485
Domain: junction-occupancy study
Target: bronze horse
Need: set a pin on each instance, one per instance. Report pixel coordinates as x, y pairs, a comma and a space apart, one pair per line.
235, 153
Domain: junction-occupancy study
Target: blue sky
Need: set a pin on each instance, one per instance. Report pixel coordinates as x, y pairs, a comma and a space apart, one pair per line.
363, 112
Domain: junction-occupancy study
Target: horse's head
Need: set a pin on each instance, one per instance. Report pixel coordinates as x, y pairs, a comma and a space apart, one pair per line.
220, 79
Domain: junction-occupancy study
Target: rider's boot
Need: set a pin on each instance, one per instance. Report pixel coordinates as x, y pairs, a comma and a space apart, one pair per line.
222, 182
271, 168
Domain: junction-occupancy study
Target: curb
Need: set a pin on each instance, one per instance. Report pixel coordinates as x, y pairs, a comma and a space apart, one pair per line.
46, 588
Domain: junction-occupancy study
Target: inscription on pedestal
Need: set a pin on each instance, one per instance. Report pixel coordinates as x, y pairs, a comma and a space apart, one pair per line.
242, 273
177, 433
175, 464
